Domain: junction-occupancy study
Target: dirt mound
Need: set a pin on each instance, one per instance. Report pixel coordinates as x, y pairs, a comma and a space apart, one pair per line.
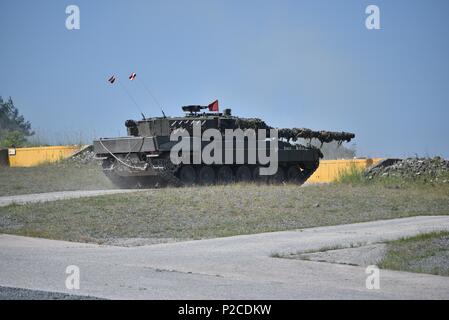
434, 169
84, 156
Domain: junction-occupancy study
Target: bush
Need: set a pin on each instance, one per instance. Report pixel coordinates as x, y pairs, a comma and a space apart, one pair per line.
12, 139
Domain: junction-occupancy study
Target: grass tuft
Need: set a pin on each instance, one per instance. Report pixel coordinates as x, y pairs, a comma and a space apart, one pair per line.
353, 175
424, 253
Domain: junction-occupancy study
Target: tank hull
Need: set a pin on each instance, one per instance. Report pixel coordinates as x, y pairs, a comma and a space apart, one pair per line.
145, 162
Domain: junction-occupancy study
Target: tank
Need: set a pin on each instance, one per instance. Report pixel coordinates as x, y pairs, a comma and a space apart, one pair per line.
142, 158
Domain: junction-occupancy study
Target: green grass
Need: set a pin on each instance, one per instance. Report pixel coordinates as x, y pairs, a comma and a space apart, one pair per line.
217, 211
353, 175
62, 176
425, 253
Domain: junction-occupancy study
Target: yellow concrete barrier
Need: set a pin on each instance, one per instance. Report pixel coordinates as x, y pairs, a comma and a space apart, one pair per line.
330, 170
30, 157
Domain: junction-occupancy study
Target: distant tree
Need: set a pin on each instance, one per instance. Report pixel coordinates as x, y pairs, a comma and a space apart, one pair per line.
12, 139
14, 129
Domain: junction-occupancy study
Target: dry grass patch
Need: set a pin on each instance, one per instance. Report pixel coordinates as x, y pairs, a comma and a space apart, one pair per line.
218, 211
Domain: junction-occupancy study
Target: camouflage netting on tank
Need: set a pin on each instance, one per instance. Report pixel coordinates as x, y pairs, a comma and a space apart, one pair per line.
297, 133
323, 136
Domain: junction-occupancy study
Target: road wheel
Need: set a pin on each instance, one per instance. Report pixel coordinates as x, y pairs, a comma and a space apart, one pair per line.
225, 175
187, 175
243, 173
278, 177
206, 175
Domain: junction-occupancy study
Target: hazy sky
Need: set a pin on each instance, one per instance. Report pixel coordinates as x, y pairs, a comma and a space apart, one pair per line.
292, 63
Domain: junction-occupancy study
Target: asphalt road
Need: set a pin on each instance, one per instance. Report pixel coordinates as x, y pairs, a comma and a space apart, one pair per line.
237, 267
26, 294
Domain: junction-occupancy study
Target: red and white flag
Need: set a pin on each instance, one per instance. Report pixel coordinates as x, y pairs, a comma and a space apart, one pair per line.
132, 76
111, 79
213, 107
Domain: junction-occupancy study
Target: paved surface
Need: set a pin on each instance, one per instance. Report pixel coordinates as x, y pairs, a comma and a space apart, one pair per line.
367, 255
237, 267
26, 294
54, 196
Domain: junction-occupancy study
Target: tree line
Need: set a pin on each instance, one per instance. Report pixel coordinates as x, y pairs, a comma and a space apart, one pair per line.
14, 129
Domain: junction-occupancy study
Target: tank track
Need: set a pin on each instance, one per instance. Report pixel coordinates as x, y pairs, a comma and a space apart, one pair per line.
125, 174
168, 174
166, 171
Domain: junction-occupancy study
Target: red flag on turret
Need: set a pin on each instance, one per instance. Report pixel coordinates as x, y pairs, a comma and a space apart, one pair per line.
132, 76
213, 106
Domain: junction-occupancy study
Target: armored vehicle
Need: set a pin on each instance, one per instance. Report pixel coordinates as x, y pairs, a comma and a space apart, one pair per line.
143, 158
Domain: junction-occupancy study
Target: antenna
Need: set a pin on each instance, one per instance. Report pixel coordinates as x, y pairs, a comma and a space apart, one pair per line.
132, 77
112, 80
132, 98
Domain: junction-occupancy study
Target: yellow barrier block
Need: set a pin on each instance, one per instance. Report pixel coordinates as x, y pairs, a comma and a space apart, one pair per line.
330, 170
30, 157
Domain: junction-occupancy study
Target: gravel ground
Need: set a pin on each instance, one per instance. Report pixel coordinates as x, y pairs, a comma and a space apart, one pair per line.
7, 293
435, 170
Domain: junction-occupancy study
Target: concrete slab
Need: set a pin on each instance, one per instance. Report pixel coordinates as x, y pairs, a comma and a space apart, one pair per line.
237, 267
